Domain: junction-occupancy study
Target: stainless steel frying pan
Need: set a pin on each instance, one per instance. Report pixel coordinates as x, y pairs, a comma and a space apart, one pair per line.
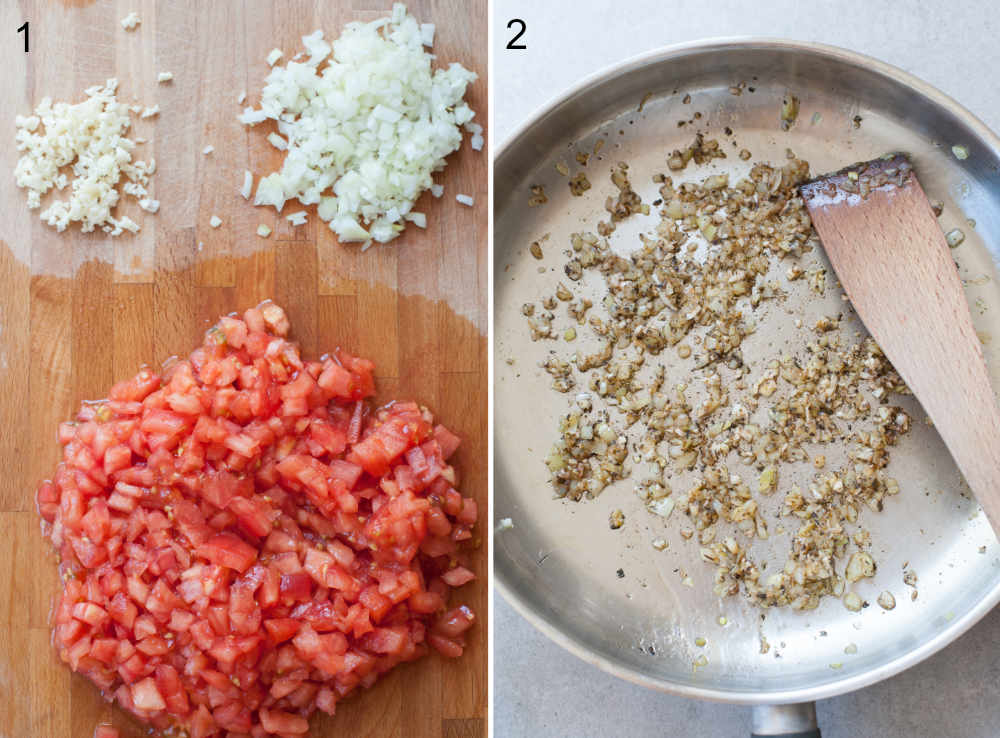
607, 595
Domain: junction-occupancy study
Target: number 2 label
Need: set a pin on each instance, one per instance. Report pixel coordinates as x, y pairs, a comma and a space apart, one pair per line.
513, 44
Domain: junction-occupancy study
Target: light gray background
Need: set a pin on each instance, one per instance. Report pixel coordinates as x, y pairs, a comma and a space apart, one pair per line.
542, 691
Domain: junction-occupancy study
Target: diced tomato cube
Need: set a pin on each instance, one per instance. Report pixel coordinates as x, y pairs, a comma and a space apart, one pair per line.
281, 629
135, 389
97, 522
296, 587
234, 330
283, 723
458, 576
226, 549
426, 602
90, 613
336, 380
445, 646
385, 640
447, 440
307, 642
330, 439
220, 487
254, 514
234, 717
455, 622
163, 422
169, 684
104, 649
376, 602
469, 512
122, 610
117, 458
202, 723
146, 695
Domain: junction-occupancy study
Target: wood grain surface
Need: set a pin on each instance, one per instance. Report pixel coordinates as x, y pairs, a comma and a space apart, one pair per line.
78, 311
894, 263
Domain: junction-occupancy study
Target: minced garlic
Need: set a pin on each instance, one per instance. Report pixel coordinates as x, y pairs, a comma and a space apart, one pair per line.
90, 136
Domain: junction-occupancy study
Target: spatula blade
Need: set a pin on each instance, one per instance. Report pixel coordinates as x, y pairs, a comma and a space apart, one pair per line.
890, 255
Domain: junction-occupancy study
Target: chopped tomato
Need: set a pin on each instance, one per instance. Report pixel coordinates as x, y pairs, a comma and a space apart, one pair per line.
244, 541
227, 549
458, 576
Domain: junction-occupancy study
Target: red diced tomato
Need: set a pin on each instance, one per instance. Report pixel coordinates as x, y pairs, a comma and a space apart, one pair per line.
458, 576
254, 514
281, 629
447, 440
296, 587
246, 542
469, 512
226, 549
135, 389
336, 380
284, 723
146, 696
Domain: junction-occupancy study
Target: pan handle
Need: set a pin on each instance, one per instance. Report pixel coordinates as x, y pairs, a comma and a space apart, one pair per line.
785, 721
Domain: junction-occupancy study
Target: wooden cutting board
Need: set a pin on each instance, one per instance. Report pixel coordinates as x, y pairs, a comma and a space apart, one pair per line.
79, 311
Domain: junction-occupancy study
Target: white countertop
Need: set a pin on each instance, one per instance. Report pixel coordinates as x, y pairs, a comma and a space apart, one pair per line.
541, 691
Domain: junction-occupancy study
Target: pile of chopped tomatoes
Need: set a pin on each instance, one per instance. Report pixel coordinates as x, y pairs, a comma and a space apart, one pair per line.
243, 541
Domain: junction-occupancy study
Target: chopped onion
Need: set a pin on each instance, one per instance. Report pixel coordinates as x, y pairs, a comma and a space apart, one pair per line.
263, 231
368, 127
252, 117
273, 57
271, 191
215, 221
277, 141
318, 48
327, 209
130, 21
247, 187
465, 200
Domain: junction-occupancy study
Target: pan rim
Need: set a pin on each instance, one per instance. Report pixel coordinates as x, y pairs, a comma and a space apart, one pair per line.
577, 647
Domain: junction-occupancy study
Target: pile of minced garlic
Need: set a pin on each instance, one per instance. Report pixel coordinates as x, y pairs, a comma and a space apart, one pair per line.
364, 134
91, 137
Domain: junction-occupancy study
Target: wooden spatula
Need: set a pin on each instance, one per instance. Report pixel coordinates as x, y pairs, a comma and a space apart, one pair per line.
891, 257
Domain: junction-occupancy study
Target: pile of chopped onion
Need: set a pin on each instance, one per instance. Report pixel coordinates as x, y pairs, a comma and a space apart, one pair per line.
372, 125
